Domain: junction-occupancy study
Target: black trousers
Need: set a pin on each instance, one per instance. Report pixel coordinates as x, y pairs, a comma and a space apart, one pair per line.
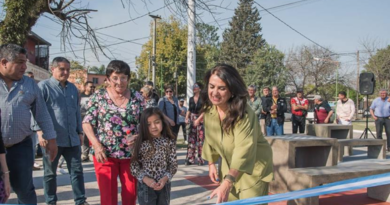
183, 126
379, 123
175, 129
298, 122
148, 196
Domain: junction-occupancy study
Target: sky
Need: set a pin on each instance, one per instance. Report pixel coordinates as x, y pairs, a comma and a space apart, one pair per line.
341, 25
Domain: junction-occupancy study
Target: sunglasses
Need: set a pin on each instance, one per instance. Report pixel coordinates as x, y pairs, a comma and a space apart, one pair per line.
169, 91
141, 93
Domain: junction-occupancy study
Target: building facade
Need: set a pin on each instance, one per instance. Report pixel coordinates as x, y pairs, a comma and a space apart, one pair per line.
38, 56
79, 77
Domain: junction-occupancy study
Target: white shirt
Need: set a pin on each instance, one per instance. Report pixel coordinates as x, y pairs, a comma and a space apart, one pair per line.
345, 111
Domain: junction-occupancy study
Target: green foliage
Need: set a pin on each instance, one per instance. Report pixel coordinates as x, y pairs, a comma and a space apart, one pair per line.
379, 64
206, 35
267, 69
207, 50
20, 17
171, 54
97, 70
242, 39
135, 83
75, 65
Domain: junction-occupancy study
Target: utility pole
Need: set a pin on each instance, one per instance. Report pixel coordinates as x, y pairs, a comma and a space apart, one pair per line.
148, 52
357, 82
154, 47
337, 79
191, 52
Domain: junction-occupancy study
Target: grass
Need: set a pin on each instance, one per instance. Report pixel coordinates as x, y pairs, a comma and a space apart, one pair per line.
361, 125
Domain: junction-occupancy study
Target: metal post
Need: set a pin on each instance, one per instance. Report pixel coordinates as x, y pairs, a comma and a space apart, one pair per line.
191, 52
148, 65
154, 47
337, 79
357, 84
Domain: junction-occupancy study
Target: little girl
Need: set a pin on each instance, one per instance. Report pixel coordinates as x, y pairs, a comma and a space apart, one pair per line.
154, 158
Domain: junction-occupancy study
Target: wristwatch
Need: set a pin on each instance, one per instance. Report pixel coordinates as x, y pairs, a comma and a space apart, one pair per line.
230, 178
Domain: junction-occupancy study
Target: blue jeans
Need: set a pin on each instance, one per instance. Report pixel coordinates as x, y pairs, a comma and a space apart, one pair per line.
72, 156
20, 163
274, 128
149, 196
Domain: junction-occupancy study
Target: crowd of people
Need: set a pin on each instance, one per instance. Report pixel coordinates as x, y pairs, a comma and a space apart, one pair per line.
132, 135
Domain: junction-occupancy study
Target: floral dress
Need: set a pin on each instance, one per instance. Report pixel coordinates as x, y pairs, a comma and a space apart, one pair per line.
113, 122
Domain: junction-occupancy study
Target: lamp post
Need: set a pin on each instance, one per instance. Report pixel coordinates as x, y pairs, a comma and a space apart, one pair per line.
148, 52
154, 47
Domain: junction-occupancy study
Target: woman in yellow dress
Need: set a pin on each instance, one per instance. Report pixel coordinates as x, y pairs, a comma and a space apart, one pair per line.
232, 133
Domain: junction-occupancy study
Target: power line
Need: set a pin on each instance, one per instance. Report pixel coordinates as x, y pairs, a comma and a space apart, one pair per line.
117, 24
271, 8
294, 29
105, 46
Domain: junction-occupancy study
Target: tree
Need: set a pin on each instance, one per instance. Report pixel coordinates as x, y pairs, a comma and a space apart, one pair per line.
267, 69
208, 48
242, 39
75, 65
206, 35
379, 64
98, 70
21, 16
171, 54
311, 65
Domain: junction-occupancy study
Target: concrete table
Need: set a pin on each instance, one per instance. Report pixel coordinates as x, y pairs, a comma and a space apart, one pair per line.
299, 151
330, 130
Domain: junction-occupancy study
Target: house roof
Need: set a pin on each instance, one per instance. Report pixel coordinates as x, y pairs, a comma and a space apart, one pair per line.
38, 38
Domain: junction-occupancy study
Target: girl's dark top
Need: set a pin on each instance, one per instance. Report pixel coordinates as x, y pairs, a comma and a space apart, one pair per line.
195, 108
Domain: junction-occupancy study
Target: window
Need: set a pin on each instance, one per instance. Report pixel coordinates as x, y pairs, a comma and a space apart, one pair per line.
95, 80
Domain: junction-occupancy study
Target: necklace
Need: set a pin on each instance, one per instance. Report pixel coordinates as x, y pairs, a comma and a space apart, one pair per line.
121, 97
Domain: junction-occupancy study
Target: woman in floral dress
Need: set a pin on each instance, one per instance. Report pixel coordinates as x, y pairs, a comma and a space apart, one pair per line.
195, 118
115, 112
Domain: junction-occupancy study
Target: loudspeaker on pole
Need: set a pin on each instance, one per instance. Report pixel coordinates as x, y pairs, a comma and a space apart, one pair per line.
367, 83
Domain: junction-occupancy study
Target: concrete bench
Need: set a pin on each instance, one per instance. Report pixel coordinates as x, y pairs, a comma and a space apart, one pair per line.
299, 151
376, 147
311, 177
331, 131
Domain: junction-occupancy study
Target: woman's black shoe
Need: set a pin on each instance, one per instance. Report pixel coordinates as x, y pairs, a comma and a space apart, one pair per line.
187, 163
200, 163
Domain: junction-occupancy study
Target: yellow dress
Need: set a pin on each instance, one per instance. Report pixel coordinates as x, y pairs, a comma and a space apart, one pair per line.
244, 149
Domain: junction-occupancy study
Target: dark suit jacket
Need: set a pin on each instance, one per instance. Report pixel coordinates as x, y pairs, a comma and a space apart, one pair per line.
281, 109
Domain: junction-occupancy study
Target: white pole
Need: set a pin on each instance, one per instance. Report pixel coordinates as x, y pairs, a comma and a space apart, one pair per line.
154, 52
191, 52
154, 48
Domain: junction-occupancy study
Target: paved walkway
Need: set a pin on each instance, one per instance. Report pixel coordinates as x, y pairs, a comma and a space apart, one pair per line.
190, 185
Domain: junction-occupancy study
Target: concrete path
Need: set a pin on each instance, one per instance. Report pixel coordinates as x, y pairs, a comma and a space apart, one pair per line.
190, 184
